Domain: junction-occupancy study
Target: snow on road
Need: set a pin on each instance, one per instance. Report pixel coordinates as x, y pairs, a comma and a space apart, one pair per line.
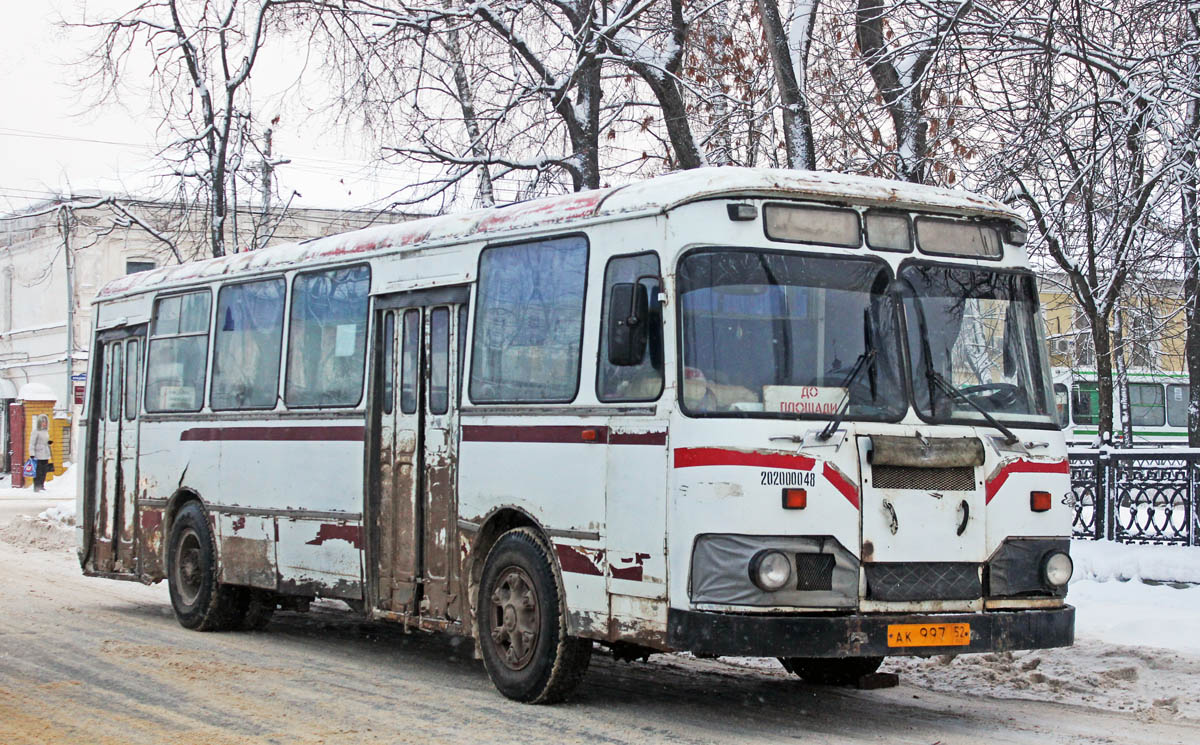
1135, 666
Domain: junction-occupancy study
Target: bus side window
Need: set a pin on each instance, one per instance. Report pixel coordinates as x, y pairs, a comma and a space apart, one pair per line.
1146, 405
1085, 402
1177, 405
249, 335
327, 337
644, 381
529, 322
1061, 399
177, 362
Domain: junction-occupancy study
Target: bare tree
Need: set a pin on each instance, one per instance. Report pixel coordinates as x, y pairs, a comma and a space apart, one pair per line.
200, 58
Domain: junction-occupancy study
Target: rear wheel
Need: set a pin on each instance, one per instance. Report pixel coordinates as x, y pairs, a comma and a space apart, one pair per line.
522, 623
831, 670
200, 602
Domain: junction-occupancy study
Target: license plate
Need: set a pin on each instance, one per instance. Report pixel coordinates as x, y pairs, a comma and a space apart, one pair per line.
929, 634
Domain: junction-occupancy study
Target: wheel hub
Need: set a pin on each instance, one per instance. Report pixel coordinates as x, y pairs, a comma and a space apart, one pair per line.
516, 618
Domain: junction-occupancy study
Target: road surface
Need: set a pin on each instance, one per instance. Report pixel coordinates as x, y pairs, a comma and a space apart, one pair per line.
103, 662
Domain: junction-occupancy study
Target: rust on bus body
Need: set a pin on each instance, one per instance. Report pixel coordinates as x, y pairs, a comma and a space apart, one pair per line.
150, 540
442, 568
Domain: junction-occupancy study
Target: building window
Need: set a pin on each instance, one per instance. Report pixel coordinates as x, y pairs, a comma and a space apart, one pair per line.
529, 322
133, 266
327, 337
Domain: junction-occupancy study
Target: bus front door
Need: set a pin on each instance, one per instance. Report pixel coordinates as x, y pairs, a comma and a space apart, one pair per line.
413, 492
112, 508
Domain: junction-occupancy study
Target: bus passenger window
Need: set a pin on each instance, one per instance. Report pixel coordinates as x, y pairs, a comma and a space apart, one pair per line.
114, 392
409, 355
327, 337
1085, 403
529, 322
1146, 405
644, 381
389, 360
132, 379
1177, 405
178, 358
439, 362
246, 351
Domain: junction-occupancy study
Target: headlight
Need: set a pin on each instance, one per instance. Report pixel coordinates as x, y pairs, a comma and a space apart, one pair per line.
770, 570
1057, 569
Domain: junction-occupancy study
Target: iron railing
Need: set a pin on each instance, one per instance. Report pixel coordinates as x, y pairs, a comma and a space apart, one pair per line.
1137, 496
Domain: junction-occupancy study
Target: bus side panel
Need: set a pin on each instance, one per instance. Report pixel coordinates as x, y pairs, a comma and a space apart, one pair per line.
552, 474
273, 475
247, 550
320, 558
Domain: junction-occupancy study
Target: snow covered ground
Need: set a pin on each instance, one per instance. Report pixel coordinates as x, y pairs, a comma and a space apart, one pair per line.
1137, 627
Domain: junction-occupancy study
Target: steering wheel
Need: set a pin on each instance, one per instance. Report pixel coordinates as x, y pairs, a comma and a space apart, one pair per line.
999, 396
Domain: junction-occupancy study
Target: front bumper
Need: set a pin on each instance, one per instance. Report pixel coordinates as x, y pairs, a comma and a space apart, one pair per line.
861, 635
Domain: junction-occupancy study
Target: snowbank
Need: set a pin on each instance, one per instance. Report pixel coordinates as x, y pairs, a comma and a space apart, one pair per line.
61, 487
63, 514
1103, 561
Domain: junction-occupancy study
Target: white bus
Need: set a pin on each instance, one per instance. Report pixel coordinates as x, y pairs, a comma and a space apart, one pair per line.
1158, 404
727, 411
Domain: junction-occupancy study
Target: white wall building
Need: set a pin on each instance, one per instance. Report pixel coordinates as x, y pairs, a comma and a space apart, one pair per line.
55, 257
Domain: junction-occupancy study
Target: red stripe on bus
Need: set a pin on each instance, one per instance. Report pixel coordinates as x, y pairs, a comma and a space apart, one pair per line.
576, 561
283, 434
693, 457
1022, 466
841, 483
543, 433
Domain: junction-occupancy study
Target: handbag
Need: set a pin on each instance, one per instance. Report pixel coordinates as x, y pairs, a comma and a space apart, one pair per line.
49, 466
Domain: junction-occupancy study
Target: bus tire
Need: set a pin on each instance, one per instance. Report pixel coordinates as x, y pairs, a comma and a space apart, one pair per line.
522, 625
200, 602
832, 671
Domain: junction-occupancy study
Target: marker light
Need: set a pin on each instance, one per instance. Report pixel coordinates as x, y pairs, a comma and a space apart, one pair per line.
1040, 501
742, 212
770, 570
795, 499
1057, 569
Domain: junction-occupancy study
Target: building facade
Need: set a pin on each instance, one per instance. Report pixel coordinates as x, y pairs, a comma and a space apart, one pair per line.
56, 256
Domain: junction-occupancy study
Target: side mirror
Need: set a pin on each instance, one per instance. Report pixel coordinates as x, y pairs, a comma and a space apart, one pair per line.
628, 323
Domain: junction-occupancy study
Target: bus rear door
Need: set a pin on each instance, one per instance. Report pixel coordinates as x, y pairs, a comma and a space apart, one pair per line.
412, 500
113, 428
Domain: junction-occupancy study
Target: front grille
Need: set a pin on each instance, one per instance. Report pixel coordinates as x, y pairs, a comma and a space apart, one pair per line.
934, 580
814, 571
929, 479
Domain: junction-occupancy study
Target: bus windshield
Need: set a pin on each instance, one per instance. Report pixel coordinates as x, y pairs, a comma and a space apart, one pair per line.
779, 334
978, 332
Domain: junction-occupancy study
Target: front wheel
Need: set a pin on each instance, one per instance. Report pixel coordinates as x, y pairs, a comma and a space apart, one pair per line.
200, 602
832, 671
522, 624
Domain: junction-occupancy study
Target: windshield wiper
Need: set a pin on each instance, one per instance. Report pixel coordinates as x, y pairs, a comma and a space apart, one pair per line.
866, 360
945, 386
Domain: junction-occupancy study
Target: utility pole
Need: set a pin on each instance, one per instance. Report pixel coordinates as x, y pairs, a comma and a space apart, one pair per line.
65, 227
268, 173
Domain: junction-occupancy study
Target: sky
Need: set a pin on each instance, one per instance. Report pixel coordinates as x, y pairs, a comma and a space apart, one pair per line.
52, 142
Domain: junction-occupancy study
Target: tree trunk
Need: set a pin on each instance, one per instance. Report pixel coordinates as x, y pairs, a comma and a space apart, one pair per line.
797, 124
1104, 378
1122, 383
1191, 239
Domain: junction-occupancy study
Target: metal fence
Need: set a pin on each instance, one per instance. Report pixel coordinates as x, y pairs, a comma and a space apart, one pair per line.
1137, 496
